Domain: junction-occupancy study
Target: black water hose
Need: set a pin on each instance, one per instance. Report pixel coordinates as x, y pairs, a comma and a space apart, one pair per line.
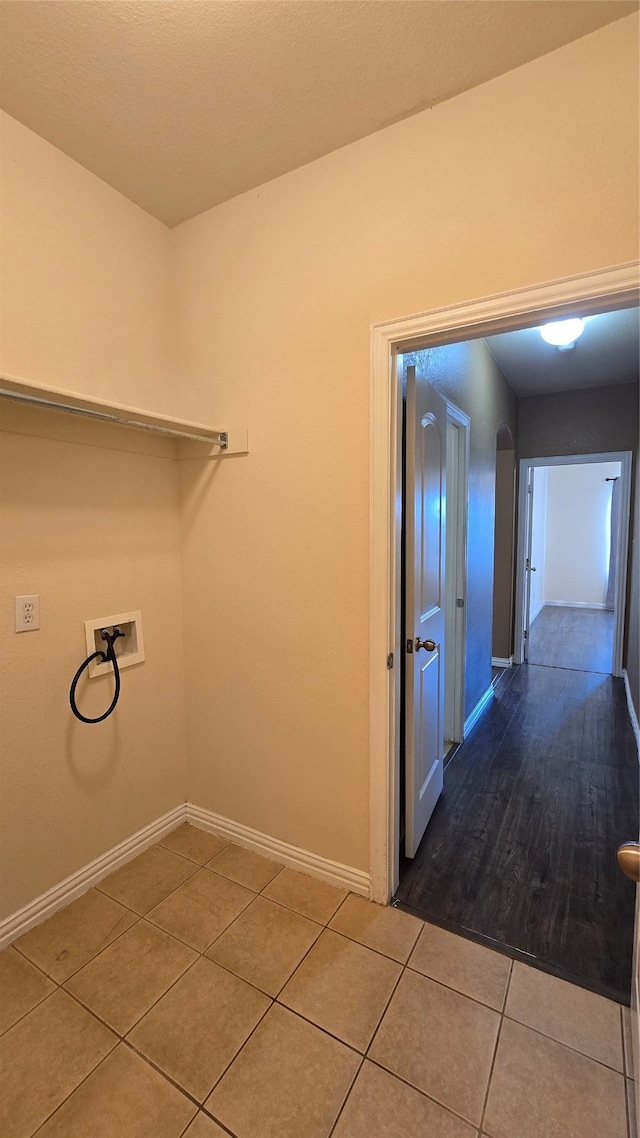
103, 657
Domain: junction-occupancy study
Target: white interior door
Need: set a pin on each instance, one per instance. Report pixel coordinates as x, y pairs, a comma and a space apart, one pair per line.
425, 488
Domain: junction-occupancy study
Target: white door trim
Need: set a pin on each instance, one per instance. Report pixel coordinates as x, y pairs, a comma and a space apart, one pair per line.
527, 464
610, 288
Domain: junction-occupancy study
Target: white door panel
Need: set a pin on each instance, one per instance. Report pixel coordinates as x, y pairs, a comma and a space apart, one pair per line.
425, 605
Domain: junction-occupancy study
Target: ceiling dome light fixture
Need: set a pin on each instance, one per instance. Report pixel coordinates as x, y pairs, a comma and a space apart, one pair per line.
562, 334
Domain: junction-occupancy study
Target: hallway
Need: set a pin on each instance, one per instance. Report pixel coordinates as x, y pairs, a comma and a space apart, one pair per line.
520, 851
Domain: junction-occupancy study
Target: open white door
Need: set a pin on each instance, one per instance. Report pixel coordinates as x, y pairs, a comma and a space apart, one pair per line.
425, 476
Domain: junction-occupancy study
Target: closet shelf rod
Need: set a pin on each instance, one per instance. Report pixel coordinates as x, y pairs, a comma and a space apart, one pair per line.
213, 438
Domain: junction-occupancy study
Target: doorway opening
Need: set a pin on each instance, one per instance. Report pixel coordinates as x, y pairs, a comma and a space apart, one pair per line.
572, 561
609, 290
482, 529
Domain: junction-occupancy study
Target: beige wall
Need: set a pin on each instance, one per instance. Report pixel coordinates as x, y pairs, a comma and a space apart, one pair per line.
94, 530
528, 178
86, 302
88, 520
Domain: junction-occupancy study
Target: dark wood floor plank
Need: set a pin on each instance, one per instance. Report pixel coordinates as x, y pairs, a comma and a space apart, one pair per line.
521, 847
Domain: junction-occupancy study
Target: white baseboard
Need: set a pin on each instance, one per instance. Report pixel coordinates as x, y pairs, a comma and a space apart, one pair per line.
577, 605
66, 891
37, 911
632, 711
345, 876
502, 661
473, 718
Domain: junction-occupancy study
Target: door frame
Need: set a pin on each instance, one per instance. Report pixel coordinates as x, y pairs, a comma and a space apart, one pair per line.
526, 465
606, 289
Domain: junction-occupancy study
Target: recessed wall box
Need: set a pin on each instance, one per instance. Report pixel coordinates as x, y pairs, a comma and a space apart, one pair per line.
129, 650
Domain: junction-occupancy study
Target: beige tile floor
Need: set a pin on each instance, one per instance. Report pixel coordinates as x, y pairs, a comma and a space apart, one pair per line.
204, 991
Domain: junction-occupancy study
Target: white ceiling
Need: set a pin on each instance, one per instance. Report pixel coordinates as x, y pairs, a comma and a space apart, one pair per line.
608, 352
182, 104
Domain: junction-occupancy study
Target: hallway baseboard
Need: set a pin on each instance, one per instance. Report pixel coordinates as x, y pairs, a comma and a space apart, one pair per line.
344, 876
632, 711
473, 718
72, 887
575, 605
501, 662
43, 907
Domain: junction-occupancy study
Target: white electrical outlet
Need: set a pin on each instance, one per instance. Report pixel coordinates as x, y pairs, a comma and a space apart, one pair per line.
27, 614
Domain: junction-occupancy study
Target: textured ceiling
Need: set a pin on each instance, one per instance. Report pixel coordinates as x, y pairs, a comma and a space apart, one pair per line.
181, 105
607, 352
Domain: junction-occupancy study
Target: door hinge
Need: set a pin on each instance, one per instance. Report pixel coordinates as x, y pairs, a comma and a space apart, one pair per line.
390, 661
460, 603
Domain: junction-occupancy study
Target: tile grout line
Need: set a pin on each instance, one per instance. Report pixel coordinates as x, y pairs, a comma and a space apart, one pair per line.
567, 1046
346, 1098
241, 914
173, 890
167, 1077
402, 1078
122, 1039
233, 1059
491, 1071
394, 1074
38, 1002
495, 1050
456, 991
61, 983
77, 1087
185, 1133
122, 1035
406, 1081
274, 1000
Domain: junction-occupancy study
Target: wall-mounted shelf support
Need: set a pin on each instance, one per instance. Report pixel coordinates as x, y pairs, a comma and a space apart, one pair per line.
57, 399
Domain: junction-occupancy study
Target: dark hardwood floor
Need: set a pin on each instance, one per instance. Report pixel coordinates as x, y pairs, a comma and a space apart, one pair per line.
520, 851
577, 638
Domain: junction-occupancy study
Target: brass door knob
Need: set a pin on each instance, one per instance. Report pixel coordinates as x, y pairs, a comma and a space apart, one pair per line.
428, 644
629, 860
